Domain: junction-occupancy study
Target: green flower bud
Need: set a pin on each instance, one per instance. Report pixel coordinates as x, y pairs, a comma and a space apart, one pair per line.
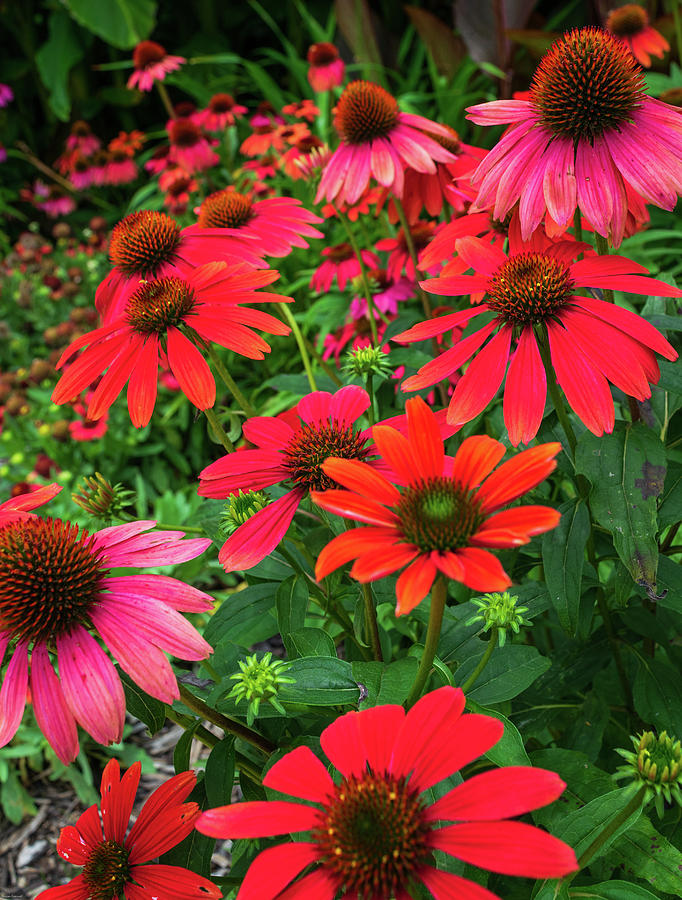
500, 611
363, 361
102, 500
259, 681
239, 509
656, 764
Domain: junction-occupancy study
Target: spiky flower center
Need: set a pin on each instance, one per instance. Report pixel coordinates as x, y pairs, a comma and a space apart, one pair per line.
529, 288
81, 129
221, 103
107, 871
453, 143
225, 209
50, 577
158, 305
374, 836
587, 83
322, 54
365, 111
438, 514
144, 241
147, 53
340, 253
184, 133
313, 444
628, 20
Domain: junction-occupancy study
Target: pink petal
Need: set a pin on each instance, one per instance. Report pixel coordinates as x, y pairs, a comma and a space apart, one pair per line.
559, 182
13, 693
481, 381
267, 432
52, 714
348, 404
315, 407
169, 590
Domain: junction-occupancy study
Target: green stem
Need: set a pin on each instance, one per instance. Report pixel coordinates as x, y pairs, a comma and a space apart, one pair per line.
483, 661
363, 277
229, 381
165, 99
188, 529
293, 324
438, 595
578, 224
371, 415
201, 734
218, 430
555, 393
412, 250
603, 250
612, 827
677, 18
371, 622
229, 726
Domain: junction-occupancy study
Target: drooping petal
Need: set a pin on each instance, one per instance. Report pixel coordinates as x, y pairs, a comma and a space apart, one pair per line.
142, 387
425, 438
525, 390
379, 560
414, 584
480, 382
274, 868
13, 693
447, 886
301, 774
173, 882
515, 526
482, 570
191, 370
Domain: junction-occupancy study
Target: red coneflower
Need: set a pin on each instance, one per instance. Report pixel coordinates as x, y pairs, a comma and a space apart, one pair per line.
399, 259
377, 140
326, 67
152, 63
20, 507
221, 113
536, 289
82, 139
173, 314
586, 132
630, 23
444, 519
189, 146
340, 263
56, 589
325, 427
116, 865
275, 224
150, 244
372, 831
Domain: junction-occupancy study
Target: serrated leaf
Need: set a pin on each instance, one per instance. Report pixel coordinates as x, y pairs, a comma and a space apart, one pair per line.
122, 23
627, 471
511, 670
219, 776
139, 704
320, 681
563, 555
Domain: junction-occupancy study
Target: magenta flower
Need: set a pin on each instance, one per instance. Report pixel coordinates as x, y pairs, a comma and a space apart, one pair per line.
57, 592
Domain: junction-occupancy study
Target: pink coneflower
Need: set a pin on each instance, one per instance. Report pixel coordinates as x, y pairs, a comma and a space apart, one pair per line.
6, 95
222, 112
116, 865
326, 67
386, 293
149, 244
263, 167
377, 140
152, 63
362, 207
158, 161
373, 824
120, 168
302, 109
85, 429
326, 427
52, 200
297, 160
171, 314
57, 590
630, 23
82, 173
535, 289
276, 224
177, 186
399, 259
340, 263
586, 132
82, 139
189, 146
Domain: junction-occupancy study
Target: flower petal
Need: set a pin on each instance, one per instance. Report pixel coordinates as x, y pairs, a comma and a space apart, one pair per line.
301, 774
257, 818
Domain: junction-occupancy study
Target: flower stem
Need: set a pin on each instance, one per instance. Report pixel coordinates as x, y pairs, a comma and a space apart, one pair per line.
483, 661
210, 740
165, 99
293, 324
603, 250
229, 381
613, 826
363, 276
438, 595
218, 430
412, 250
371, 622
229, 726
371, 414
555, 393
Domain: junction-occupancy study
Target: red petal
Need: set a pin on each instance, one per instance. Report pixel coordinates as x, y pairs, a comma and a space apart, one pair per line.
449, 361
260, 534
379, 728
257, 818
301, 774
191, 370
353, 506
343, 744
433, 327
349, 545
377, 561
142, 386
172, 882
476, 458
525, 390
424, 437
511, 848
318, 885
414, 584
481, 381
118, 796
363, 479
518, 475
275, 868
397, 452
637, 327
522, 521
76, 889
446, 886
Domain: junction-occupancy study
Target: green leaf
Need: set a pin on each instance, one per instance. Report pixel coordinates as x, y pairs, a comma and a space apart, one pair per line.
612, 890
291, 602
670, 510
511, 670
563, 555
509, 750
122, 23
627, 471
14, 799
196, 850
657, 697
320, 681
220, 773
644, 853
245, 617
145, 708
582, 826
181, 754
308, 642
55, 59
